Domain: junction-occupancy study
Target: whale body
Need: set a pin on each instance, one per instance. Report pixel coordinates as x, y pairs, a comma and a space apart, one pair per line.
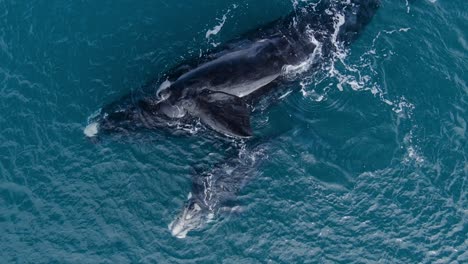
218, 86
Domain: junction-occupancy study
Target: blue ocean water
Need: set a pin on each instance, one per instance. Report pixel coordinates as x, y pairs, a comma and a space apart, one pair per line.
366, 163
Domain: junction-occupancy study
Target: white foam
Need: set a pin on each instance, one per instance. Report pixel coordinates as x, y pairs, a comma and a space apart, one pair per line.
292, 71
91, 130
217, 28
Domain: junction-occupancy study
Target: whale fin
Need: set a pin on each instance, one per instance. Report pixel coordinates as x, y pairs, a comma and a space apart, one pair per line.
225, 113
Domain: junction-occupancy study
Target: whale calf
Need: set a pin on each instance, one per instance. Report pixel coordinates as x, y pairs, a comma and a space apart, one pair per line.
216, 88
215, 189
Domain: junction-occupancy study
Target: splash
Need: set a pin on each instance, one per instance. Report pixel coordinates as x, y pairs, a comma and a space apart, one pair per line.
216, 29
292, 71
413, 152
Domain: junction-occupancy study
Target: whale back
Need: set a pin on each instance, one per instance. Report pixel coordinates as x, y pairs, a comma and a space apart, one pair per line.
240, 72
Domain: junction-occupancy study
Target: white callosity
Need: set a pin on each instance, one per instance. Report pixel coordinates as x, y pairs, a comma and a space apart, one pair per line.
91, 130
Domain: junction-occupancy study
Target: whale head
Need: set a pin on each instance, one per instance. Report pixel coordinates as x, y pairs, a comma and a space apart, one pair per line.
223, 112
109, 120
127, 115
194, 216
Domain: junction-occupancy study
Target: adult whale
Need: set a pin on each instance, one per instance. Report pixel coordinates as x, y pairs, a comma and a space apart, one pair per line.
314, 35
216, 88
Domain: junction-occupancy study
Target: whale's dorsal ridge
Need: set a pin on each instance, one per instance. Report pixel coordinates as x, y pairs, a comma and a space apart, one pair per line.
225, 113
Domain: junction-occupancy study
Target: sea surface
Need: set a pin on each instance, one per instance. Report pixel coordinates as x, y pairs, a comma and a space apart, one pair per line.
366, 161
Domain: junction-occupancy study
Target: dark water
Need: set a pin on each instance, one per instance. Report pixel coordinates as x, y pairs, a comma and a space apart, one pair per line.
367, 163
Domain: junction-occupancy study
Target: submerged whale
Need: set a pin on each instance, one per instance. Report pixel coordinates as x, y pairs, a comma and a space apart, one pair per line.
215, 190
217, 88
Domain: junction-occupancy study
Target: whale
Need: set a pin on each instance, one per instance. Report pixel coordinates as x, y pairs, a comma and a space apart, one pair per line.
219, 88
214, 190
316, 32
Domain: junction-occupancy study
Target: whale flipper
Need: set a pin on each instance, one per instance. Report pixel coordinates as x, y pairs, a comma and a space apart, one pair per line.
225, 113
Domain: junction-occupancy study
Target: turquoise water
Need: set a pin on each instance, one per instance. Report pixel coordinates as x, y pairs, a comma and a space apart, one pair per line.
366, 163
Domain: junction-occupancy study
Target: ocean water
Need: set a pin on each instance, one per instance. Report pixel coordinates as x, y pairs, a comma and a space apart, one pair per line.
365, 162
